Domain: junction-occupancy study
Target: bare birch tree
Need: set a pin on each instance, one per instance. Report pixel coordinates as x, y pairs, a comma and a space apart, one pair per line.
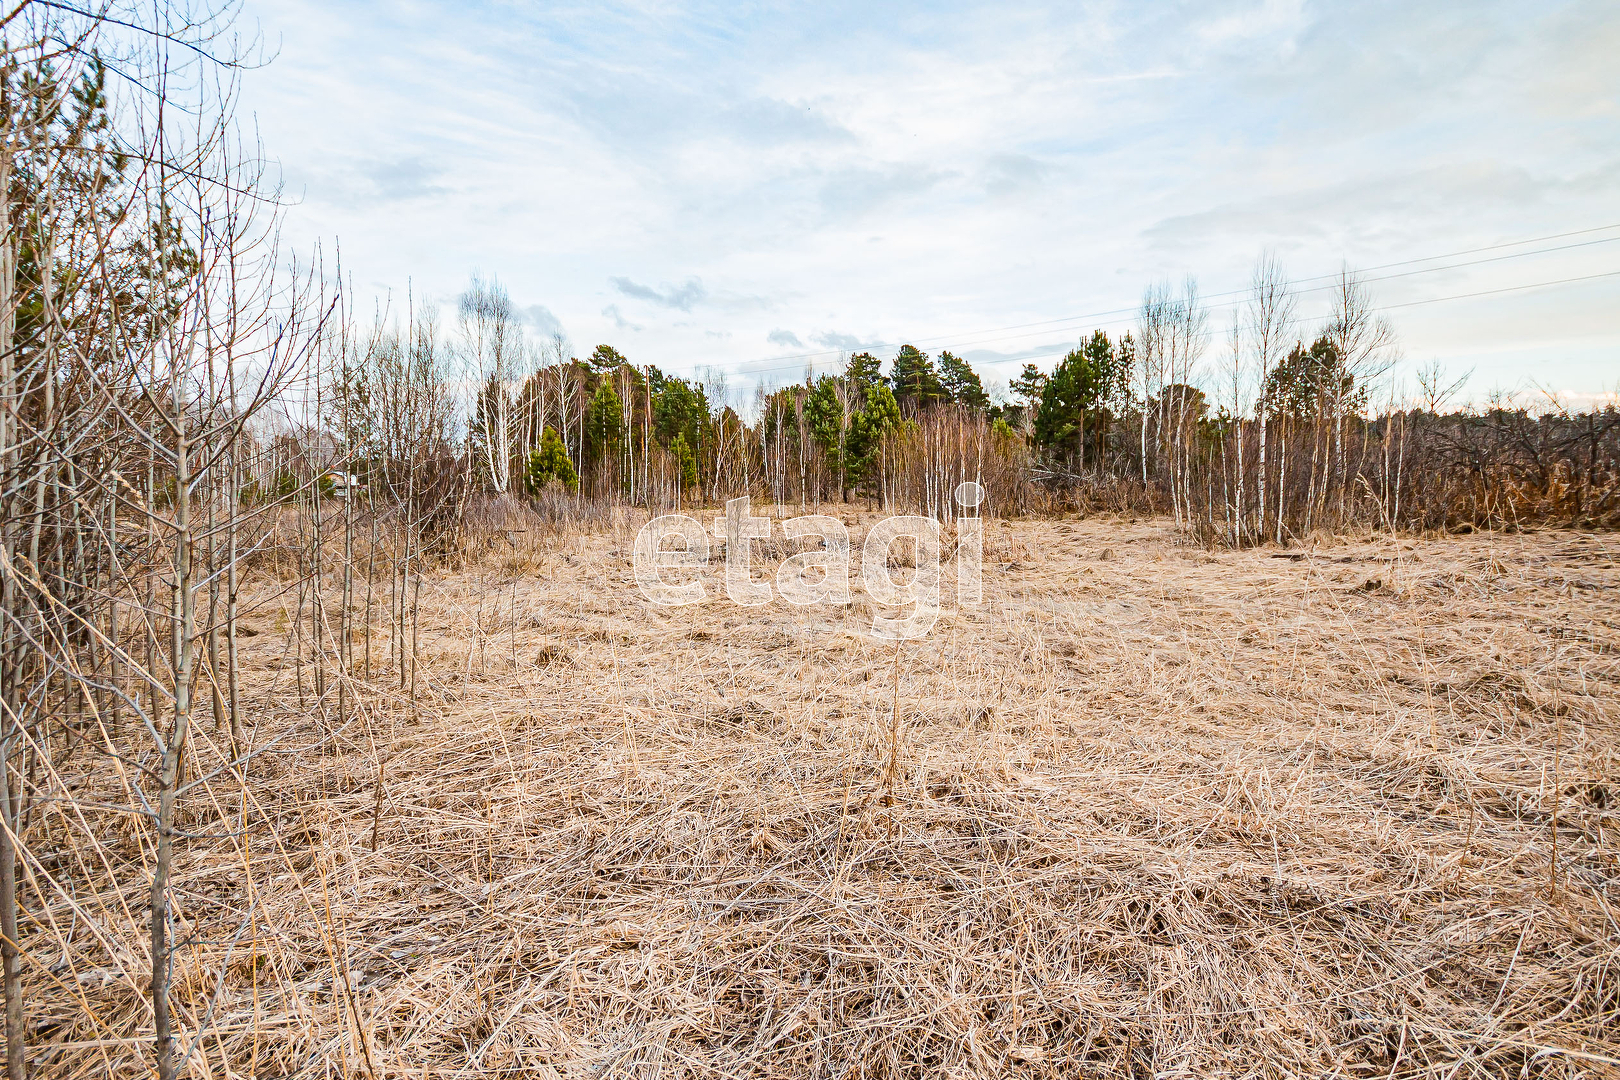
492, 345
1269, 314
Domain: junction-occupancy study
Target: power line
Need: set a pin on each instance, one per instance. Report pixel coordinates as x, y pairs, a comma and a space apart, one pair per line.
1489, 247
1241, 295
1328, 277
1030, 357
1391, 307
1493, 292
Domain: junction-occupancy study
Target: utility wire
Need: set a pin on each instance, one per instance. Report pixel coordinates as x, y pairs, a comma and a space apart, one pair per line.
1493, 292
1243, 297
1245, 292
1389, 307
1241, 294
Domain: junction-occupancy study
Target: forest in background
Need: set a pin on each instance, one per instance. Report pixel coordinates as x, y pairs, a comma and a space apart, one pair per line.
1277, 431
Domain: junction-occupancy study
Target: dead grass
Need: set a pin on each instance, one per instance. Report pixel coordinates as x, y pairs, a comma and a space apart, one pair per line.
1155, 812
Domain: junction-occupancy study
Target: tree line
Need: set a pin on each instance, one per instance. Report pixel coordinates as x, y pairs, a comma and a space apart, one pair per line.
1288, 428
542, 424
1283, 429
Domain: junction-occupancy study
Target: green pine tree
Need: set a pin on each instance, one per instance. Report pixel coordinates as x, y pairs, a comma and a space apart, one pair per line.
961, 383
604, 421
688, 462
549, 462
1074, 400
880, 416
914, 378
679, 408
864, 371
605, 359
1028, 384
1309, 381
825, 415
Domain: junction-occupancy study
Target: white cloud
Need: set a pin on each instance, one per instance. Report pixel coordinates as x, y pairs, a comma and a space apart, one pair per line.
539, 318
937, 172
679, 297
611, 312
832, 340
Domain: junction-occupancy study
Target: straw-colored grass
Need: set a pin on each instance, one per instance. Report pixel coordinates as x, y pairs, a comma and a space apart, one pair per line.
1151, 811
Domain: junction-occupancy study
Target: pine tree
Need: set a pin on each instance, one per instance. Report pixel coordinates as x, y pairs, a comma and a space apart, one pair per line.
863, 371
880, 415
1063, 396
679, 408
606, 358
961, 383
549, 462
688, 462
1074, 399
914, 378
1309, 381
825, 415
1028, 384
604, 421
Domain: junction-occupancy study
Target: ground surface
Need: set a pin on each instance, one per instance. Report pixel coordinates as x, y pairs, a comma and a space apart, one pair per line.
1150, 811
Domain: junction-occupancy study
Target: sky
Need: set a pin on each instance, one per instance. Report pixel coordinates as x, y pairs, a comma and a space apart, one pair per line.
755, 188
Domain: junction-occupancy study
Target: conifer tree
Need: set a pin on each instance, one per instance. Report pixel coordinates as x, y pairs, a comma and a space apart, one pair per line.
550, 462
880, 415
1028, 384
688, 462
679, 408
1073, 401
961, 383
914, 378
1308, 381
606, 358
825, 415
864, 371
604, 421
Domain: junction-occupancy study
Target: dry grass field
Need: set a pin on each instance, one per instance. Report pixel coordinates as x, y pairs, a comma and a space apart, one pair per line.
1151, 811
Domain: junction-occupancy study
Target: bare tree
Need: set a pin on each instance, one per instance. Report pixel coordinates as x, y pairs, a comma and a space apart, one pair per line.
492, 345
1186, 341
1153, 330
1367, 348
150, 323
1270, 317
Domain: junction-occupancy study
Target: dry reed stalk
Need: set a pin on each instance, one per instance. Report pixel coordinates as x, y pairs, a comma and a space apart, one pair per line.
1168, 813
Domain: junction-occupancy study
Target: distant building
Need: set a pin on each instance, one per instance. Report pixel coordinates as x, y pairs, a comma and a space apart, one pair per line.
341, 483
